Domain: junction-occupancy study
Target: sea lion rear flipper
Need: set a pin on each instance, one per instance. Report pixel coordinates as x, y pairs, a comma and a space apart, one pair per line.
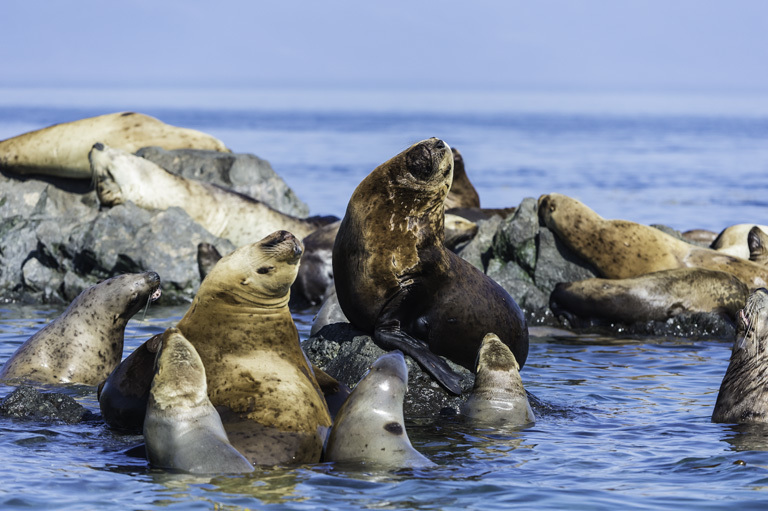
390, 337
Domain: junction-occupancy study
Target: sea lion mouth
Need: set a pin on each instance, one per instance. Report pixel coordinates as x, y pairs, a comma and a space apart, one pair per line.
283, 243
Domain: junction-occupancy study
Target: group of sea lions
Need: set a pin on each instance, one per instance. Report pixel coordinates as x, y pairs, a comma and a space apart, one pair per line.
229, 387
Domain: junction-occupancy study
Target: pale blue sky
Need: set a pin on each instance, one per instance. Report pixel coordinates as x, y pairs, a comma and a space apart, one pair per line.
560, 45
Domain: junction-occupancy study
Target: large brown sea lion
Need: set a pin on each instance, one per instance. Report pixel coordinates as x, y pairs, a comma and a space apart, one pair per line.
396, 280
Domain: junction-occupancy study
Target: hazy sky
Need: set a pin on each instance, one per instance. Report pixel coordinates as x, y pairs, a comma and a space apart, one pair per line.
562, 45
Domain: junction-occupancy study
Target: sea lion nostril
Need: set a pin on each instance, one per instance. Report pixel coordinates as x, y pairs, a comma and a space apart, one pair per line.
98, 146
439, 144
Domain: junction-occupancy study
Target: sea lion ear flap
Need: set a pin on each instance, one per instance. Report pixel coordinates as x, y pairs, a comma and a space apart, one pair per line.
757, 240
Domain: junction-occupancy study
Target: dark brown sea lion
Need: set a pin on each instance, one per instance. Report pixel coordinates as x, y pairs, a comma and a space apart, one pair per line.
397, 281
743, 395
655, 296
85, 343
462, 193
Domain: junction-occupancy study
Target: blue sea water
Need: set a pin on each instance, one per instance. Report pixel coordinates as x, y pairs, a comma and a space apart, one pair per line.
625, 423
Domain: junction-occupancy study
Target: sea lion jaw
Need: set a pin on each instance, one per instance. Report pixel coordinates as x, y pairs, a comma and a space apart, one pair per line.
179, 379
753, 323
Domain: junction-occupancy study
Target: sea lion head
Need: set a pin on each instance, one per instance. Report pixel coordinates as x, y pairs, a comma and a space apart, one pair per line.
134, 292
179, 378
261, 272
753, 325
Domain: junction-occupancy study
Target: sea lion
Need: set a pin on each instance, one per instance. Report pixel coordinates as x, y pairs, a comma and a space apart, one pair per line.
733, 240
121, 177
757, 240
62, 149
85, 343
396, 280
498, 396
655, 296
370, 428
258, 377
743, 396
182, 430
621, 249
462, 193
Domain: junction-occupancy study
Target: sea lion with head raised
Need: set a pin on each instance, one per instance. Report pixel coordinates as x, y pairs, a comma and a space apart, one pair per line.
182, 430
743, 396
370, 427
258, 377
62, 149
621, 249
655, 296
85, 343
396, 280
498, 397
121, 177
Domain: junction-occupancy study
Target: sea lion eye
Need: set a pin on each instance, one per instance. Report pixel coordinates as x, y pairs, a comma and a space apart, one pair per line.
419, 162
265, 269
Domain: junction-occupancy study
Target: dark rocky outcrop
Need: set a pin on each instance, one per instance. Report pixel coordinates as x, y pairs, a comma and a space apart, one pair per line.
26, 402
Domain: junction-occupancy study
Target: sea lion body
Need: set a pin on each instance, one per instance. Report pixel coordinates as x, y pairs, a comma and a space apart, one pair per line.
733, 240
182, 429
395, 279
498, 396
743, 395
655, 296
462, 193
62, 149
85, 343
121, 177
621, 249
258, 377
370, 427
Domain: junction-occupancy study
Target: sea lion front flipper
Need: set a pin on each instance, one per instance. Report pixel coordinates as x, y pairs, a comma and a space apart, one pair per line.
389, 336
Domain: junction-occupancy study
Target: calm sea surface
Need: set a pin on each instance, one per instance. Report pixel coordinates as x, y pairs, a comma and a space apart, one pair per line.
624, 422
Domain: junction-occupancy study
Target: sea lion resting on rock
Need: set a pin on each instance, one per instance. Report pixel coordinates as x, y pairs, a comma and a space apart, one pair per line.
85, 343
498, 397
743, 396
621, 249
182, 430
655, 296
734, 240
395, 279
370, 428
62, 149
121, 177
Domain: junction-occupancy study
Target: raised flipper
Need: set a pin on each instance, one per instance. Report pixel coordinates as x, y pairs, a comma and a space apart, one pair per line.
389, 336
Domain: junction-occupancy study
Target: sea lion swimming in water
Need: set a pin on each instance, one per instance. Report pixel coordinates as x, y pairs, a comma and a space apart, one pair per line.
85, 343
182, 430
396, 280
743, 395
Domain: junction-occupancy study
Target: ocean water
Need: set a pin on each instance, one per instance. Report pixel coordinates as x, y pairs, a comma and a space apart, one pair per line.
623, 422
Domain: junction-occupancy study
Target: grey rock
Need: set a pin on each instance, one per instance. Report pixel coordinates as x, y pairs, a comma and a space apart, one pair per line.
478, 251
346, 354
241, 172
26, 402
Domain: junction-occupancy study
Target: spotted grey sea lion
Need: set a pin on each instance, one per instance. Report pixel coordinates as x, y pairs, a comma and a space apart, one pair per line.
182, 430
370, 427
498, 397
743, 395
620, 249
85, 343
396, 280
121, 176
62, 149
655, 296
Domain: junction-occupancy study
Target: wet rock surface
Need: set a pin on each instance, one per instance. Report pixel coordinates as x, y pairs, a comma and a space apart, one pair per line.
26, 402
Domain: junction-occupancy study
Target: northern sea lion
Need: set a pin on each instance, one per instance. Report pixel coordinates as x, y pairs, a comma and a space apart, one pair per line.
62, 149
258, 377
498, 396
757, 240
462, 193
733, 240
182, 430
370, 427
655, 296
396, 280
743, 396
621, 249
85, 343
121, 177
